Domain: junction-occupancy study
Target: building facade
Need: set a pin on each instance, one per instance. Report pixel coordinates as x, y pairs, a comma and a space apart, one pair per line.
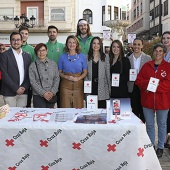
139, 17
64, 14
149, 18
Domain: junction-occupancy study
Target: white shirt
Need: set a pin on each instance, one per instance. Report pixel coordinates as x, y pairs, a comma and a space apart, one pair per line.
20, 64
136, 62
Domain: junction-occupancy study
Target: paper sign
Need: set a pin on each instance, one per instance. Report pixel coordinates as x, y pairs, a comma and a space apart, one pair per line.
133, 74
131, 38
87, 86
153, 84
106, 34
92, 103
115, 80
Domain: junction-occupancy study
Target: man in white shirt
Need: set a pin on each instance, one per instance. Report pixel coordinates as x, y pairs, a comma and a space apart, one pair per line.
15, 79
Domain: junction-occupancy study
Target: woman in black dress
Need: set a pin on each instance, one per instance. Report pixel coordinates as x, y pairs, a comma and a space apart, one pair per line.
119, 64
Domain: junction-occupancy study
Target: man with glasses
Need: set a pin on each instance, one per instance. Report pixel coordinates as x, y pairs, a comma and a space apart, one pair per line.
14, 64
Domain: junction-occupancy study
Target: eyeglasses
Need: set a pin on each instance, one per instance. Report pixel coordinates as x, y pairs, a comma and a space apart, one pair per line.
2, 48
16, 40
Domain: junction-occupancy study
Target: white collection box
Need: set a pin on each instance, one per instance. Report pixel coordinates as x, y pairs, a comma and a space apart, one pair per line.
92, 103
115, 80
153, 84
87, 86
133, 74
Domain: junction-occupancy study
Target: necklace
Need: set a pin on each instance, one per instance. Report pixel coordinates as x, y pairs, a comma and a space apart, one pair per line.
73, 60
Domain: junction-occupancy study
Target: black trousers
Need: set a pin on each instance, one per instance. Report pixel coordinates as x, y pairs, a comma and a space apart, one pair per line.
29, 97
135, 98
39, 102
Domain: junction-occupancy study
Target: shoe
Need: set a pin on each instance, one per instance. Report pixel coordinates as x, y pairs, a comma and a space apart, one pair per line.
166, 145
159, 152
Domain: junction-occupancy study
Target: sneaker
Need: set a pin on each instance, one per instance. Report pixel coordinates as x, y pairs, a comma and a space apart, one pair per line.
159, 152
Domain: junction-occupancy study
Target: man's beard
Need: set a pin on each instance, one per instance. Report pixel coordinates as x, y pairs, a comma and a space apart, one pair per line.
52, 38
83, 32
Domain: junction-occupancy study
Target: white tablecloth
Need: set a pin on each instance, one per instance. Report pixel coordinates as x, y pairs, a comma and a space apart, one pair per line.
48, 145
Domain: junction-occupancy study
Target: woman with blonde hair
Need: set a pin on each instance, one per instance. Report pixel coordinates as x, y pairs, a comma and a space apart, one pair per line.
72, 67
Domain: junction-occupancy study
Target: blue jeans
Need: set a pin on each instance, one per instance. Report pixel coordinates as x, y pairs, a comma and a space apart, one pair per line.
161, 117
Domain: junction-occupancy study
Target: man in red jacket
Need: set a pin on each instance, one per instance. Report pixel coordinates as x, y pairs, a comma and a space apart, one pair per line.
155, 97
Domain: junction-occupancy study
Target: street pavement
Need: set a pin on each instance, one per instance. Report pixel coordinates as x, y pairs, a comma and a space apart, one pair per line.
164, 161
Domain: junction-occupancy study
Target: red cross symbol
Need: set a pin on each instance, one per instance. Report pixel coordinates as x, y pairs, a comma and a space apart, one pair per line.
87, 84
75, 169
111, 147
132, 72
12, 168
9, 142
112, 121
153, 81
43, 143
140, 153
115, 78
76, 146
44, 167
91, 100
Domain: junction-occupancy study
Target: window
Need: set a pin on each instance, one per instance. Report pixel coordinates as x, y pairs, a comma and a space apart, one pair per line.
115, 13
134, 13
87, 15
103, 15
151, 15
109, 12
57, 14
165, 7
6, 14
156, 11
137, 10
123, 15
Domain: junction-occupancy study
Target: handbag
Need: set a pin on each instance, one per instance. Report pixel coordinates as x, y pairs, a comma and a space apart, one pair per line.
54, 98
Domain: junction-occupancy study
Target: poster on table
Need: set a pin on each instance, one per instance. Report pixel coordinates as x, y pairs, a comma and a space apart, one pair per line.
120, 108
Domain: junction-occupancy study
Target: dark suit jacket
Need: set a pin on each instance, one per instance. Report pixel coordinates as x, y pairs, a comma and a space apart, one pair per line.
10, 73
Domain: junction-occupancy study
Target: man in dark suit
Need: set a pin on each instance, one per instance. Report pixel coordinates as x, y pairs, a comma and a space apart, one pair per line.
15, 79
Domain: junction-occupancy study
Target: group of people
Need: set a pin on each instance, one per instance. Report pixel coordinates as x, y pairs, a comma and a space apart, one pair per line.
55, 72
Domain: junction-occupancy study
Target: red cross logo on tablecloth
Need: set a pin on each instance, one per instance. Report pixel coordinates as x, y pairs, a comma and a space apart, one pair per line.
91, 100
111, 147
9, 142
76, 146
112, 121
140, 153
44, 167
12, 168
43, 143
